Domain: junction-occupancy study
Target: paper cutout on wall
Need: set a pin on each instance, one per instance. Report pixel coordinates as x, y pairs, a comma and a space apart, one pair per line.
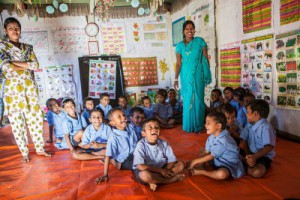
163, 68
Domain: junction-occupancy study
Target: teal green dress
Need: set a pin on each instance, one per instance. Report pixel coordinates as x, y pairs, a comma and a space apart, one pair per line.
194, 76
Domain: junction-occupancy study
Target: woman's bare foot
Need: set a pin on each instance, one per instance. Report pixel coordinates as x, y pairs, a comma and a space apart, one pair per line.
44, 153
152, 186
25, 159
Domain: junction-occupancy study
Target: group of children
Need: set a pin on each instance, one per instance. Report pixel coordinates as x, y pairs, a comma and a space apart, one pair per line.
129, 139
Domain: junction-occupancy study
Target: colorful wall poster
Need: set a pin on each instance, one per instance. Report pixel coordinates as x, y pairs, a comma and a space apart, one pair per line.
113, 38
289, 11
257, 15
177, 30
102, 78
257, 67
288, 69
230, 67
38, 39
140, 71
155, 34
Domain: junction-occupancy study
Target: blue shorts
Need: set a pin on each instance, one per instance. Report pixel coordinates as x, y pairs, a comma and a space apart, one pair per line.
90, 150
128, 163
1, 108
73, 142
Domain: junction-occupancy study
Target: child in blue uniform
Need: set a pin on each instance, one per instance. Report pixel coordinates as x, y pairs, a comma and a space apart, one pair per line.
104, 105
73, 126
137, 118
94, 138
88, 104
122, 101
215, 100
148, 107
258, 139
154, 161
163, 111
219, 148
120, 145
228, 98
176, 106
55, 116
241, 115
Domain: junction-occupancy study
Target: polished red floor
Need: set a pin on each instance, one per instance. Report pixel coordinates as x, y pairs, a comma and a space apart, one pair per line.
61, 177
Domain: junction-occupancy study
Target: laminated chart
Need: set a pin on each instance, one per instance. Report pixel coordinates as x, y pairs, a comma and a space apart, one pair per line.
38, 39
289, 11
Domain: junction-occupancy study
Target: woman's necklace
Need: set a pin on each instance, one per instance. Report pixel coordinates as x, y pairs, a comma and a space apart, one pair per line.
188, 48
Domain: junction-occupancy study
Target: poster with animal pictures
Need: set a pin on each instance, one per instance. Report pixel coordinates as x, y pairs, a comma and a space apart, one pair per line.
102, 78
287, 46
257, 67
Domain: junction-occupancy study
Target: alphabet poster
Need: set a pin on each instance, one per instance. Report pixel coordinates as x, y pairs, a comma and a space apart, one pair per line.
257, 67
38, 39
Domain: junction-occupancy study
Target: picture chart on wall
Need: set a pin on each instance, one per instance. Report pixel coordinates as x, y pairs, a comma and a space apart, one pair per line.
38, 39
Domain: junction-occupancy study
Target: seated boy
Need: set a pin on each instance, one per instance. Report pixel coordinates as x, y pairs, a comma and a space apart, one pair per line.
120, 145
137, 118
94, 138
241, 115
104, 105
148, 107
154, 161
122, 101
176, 106
258, 139
215, 100
55, 117
220, 148
228, 98
88, 105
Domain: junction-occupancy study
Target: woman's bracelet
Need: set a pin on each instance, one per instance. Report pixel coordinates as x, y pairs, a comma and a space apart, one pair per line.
175, 79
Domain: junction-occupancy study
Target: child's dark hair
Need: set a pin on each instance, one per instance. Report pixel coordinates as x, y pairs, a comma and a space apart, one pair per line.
49, 100
97, 110
218, 91
228, 88
249, 95
239, 93
87, 99
122, 97
11, 20
112, 111
67, 100
219, 117
162, 92
171, 90
102, 95
144, 98
147, 121
136, 109
226, 108
260, 106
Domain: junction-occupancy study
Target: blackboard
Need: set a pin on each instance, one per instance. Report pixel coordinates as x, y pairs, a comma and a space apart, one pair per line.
84, 76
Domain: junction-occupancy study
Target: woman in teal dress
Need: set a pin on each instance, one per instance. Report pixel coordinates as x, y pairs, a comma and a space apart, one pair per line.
193, 67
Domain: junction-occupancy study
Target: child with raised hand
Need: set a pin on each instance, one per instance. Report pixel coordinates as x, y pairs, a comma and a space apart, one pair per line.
176, 106
104, 104
148, 107
228, 98
120, 145
137, 118
88, 104
73, 126
163, 111
241, 115
154, 161
55, 117
258, 139
219, 148
122, 101
94, 138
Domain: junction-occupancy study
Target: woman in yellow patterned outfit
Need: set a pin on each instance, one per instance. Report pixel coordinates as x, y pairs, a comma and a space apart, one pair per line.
20, 90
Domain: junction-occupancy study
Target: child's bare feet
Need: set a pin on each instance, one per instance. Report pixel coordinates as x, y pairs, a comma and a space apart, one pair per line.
25, 159
152, 186
44, 153
178, 177
101, 160
194, 172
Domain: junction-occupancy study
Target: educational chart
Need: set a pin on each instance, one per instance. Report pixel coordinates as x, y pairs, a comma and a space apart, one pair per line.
257, 15
231, 67
113, 38
155, 35
288, 69
289, 11
38, 39
177, 30
102, 78
140, 71
69, 40
256, 57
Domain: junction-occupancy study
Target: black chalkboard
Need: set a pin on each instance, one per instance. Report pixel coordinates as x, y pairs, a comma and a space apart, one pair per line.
84, 76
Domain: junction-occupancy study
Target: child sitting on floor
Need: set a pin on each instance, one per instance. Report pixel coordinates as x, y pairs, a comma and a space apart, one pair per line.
88, 104
228, 98
104, 105
258, 139
154, 161
72, 125
148, 107
219, 148
176, 106
241, 116
137, 118
163, 111
94, 138
120, 145
55, 116
122, 101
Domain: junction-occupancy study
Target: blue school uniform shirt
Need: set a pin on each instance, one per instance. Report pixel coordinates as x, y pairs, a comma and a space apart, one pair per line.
104, 109
121, 144
148, 111
56, 121
157, 155
164, 111
86, 115
137, 129
101, 135
242, 117
259, 135
215, 104
226, 153
235, 104
176, 108
127, 111
72, 126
